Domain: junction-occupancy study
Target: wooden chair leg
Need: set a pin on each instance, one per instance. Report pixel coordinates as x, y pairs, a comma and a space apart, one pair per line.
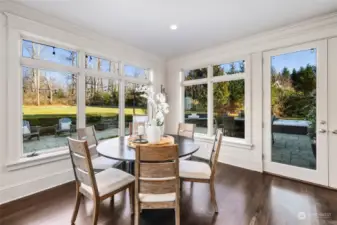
131, 197
137, 215
213, 197
137, 207
77, 205
177, 213
96, 212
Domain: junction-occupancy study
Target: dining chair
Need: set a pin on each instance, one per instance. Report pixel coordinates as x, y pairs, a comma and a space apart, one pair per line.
186, 130
193, 171
157, 179
96, 187
99, 162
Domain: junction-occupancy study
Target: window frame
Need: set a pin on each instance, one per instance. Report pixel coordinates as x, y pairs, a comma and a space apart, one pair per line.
46, 65
210, 80
16, 159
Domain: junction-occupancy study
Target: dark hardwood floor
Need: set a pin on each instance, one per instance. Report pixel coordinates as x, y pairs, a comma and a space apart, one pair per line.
244, 197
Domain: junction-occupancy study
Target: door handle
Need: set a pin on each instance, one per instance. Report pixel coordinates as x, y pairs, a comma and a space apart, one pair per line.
334, 131
322, 131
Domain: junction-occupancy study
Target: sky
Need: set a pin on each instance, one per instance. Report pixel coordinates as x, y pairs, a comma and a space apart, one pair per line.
294, 60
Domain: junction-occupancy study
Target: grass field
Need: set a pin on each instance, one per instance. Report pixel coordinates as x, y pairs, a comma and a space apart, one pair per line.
71, 110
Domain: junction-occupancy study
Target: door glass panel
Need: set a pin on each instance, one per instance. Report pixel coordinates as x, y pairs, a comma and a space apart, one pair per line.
293, 108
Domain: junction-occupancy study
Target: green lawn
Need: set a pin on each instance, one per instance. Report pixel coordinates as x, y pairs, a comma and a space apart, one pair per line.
71, 110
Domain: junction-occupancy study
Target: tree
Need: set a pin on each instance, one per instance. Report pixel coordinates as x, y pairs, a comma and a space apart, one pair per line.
34, 51
304, 80
285, 73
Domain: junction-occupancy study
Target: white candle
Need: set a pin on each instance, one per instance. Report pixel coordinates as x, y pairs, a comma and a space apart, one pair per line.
141, 130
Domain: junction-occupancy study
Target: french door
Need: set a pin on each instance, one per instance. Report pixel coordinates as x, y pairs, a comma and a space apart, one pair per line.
295, 112
332, 111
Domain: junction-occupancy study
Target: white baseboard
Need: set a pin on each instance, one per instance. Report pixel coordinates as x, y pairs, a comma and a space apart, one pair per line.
17, 191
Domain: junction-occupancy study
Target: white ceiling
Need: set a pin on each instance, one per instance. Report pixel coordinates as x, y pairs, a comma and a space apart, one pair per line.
201, 23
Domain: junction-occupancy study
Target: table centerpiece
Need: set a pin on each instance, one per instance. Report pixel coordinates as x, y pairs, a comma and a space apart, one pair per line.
159, 107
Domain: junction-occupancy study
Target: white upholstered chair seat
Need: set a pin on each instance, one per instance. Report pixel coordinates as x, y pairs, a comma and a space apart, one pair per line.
108, 181
193, 169
103, 163
169, 197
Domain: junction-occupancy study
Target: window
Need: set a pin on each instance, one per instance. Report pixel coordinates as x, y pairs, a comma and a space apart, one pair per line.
136, 72
51, 81
48, 53
102, 98
228, 101
196, 106
195, 74
99, 64
49, 109
135, 104
229, 68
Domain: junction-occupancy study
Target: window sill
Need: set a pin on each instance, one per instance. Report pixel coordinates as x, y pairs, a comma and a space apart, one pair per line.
38, 160
226, 141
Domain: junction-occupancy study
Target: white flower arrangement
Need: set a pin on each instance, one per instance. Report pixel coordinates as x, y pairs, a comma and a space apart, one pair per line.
157, 102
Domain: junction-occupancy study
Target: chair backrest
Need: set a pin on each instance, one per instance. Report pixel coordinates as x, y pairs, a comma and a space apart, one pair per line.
89, 134
64, 120
25, 123
215, 151
186, 130
82, 165
140, 118
157, 169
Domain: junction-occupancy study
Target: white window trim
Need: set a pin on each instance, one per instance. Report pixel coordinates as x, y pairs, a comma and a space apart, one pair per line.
38, 160
245, 143
15, 157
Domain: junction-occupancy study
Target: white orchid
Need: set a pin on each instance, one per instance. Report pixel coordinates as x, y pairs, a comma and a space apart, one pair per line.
157, 102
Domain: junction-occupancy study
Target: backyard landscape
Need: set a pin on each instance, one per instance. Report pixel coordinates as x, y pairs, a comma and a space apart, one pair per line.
293, 105
50, 99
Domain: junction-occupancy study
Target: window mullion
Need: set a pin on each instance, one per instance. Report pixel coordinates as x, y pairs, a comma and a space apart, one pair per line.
210, 119
121, 100
81, 117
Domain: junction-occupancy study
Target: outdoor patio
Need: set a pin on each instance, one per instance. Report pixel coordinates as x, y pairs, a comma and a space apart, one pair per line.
293, 150
52, 141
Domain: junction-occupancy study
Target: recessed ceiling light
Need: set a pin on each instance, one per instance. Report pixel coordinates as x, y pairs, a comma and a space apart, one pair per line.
173, 27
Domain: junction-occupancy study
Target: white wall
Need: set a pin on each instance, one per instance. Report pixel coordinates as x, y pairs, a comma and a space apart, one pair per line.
254, 46
18, 183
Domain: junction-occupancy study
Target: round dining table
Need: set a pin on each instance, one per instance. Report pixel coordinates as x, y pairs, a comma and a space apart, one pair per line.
118, 149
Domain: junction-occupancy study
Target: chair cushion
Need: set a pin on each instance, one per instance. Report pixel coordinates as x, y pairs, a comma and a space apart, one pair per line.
65, 126
103, 163
108, 181
169, 197
25, 130
193, 169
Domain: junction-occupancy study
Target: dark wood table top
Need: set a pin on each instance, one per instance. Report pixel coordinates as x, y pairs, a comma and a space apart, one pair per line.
117, 148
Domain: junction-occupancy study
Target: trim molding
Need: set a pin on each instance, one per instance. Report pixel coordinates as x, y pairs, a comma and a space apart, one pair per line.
13, 192
10, 208
38, 160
